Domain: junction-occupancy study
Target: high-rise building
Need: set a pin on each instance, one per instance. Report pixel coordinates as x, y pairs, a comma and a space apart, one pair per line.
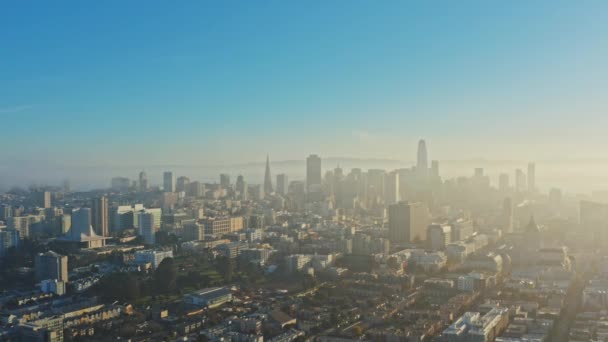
193, 231
196, 189
503, 182
51, 265
267, 178
555, 199
182, 183
507, 215
375, 184
282, 184
168, 182
225, 180
66, 223
147, 227
99, 216
520, 180
44, 199
438, 236
313, 171
6, 211
435, 169
8, 238
391, 188
241, 187
422, 165
143, 181
531, 177
120, 184
407, 222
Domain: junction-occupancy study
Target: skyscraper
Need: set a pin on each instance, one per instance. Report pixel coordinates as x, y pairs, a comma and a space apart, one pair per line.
391, 188
44, 199
503, 182
407, 222
507, 216
267, 178
168, 182
143, 181
282, 184
99, 216
147, 227
422, 164
51, 265
531, 177
241, 187
182, 183
520, 180
225, 180
313, 171
435, 170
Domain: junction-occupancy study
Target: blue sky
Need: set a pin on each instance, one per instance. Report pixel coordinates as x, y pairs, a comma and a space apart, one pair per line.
208, 82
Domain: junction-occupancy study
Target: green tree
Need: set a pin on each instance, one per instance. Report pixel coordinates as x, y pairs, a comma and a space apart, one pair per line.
225, 267
165, 276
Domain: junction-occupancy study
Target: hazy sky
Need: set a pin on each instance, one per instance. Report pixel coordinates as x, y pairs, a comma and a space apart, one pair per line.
207, 82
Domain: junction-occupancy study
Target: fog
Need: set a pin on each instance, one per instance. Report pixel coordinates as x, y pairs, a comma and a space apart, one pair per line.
573, 176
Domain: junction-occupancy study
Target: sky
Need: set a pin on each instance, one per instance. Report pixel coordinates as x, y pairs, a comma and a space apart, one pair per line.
144, 83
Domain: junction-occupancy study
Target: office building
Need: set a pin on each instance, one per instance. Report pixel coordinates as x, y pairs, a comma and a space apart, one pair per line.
24, 224
6, 211
438, 236
143, 181
99, 216
193, 231
282, 184
66, 223
168, 181
391, 188
507, 216
223, 225
43, 199
407, 222
461, 229
51, 265
375, 184
147, 227
225, 180
503, 182
313, 171
120, 184
182, 184
473, 327
434, 170
241, 187
153, 257
531, 177
9, 238
520, 180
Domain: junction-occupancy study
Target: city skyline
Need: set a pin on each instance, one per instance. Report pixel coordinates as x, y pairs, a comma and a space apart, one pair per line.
319, 171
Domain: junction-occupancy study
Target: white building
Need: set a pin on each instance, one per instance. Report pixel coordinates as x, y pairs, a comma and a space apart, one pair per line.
472, 327
152, 257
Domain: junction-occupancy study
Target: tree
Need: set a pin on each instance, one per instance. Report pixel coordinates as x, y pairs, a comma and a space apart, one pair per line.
122, 286
165, 276
225, 267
